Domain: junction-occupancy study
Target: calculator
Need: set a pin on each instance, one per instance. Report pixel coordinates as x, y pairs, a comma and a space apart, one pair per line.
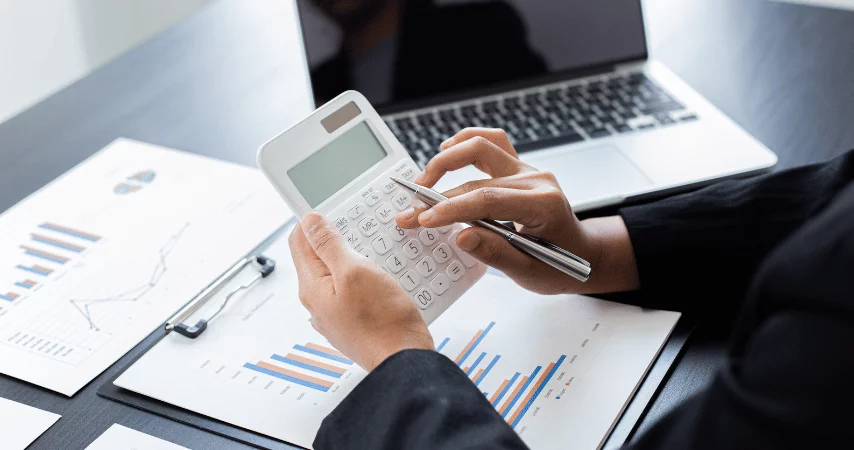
338, 161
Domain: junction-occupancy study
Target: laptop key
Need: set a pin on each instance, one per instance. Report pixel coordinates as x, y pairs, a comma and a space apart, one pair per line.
528, 145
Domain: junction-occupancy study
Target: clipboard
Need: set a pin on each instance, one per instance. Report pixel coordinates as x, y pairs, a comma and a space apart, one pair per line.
620, 434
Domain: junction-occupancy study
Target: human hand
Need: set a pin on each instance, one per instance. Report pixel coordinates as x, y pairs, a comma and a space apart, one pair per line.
354, 303
535, 202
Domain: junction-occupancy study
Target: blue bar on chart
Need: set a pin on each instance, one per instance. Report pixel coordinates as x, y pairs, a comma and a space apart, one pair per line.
9, 296
443, 344
518, 392
36, 269
486, 372
323, 352
26, 284
57, 243
535, 392
502, 390
309, 364
473, 343
476, 362
52, 257
70, 231
290, 376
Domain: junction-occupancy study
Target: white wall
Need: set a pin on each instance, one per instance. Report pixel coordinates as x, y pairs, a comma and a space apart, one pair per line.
46, 45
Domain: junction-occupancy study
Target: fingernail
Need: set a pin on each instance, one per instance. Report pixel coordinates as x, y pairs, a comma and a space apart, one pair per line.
426, 216
407, 214
468, 241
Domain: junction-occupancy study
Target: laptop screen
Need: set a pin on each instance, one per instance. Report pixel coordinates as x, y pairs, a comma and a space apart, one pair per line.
395, 51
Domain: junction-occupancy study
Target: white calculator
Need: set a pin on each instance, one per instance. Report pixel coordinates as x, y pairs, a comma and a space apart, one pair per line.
338, 162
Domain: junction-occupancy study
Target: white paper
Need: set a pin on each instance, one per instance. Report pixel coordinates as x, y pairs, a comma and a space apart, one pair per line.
20, 424
606, 349
130, 235
118, 437
840, 4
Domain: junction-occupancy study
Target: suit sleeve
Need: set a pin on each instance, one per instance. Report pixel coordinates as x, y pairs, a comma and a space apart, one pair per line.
416, 400
709, 243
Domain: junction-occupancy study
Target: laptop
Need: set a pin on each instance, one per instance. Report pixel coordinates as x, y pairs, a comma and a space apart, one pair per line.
570, 81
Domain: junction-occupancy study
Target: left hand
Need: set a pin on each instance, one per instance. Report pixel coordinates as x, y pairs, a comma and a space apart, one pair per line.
354, 303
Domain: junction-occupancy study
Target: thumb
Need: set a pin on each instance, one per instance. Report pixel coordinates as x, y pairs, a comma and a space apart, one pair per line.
325, 239
493, 250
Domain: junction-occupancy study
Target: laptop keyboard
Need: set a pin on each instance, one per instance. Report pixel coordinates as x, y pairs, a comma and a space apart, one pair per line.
547, 117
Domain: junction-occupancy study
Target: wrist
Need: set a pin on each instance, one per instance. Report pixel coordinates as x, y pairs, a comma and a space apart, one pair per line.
611, 255
387, 346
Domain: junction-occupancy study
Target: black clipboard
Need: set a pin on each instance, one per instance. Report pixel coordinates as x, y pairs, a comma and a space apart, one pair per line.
620, 434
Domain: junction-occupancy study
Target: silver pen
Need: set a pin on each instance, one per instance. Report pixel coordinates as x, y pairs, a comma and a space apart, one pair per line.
533, 246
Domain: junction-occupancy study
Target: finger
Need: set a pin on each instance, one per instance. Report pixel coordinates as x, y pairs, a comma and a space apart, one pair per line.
493, 250
326, 241
478, 152
409, 218
528, 208
311, 271
495, 135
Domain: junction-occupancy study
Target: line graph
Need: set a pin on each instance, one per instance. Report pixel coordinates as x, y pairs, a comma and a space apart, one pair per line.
84, 306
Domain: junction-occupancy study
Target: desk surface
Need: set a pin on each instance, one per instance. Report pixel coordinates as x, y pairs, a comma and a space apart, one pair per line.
214, 85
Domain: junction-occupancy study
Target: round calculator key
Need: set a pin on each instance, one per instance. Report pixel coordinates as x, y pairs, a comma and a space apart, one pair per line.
423, 298
385, 213
389, 186
341, 223
444, 229
397, 233
440, 284
382, 244
412, 249
442, 253
468, 260
395, 263
426, 266
409, 280
428, 236
368, 226
455, 270
402, 200
356, 211
372, 198
352, 238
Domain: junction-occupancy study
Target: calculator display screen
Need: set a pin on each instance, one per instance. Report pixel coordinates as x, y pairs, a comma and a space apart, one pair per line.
341, 161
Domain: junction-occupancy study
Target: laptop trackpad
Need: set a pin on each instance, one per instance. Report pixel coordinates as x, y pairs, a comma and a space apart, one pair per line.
592, 173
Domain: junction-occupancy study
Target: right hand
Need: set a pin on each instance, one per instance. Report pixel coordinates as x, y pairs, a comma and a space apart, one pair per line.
520, 193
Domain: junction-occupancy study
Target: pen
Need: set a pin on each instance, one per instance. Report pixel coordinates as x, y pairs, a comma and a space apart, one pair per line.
533, 246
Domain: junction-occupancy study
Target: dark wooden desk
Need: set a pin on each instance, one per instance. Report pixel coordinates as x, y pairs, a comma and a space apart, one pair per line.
218, 84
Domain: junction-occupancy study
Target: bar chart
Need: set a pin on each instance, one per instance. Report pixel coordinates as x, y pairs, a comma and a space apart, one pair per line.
311, 365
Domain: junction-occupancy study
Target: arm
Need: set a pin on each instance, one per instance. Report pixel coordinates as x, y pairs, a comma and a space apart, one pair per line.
788, 381
715, 238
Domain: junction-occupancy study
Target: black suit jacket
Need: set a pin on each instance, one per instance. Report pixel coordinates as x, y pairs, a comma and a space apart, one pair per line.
773, 254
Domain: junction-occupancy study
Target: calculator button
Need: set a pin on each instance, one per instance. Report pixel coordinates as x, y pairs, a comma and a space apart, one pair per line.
455, 270
372, 198
369, 226
389, 186
382, 244
428, 236
468, 260
356, 211
395, 262
352, 238
341, 223
423, 298
440, 284
406, 173
426, 266
412, 249
402, 200
385, 213
442, 253
409, 280
397, 233
444, 229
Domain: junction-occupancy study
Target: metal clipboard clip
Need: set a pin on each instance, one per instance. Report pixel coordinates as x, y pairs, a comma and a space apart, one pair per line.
266, 266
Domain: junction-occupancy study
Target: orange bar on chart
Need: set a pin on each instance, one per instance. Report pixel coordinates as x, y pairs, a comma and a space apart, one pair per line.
299, 375
499, 391
531, 393
476, 374
513, 395
468, 346
42, 268
321, 348
314, 363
